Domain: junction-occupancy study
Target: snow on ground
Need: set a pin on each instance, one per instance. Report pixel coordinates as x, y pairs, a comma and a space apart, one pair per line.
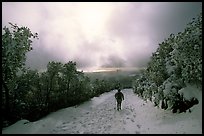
99, 116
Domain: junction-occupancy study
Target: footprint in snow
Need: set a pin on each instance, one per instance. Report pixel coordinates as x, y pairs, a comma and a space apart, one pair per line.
138, 126
53, 131
73, 122
73, 127
137, 132
84, 125
58, 126
128, 113
124, 122
107, 128
65, 122
132, 120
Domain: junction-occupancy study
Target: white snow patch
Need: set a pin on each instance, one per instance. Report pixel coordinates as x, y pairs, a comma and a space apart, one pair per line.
189, 92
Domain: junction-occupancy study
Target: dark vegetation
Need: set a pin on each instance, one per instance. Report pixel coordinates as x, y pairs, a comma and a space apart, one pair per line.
176, 64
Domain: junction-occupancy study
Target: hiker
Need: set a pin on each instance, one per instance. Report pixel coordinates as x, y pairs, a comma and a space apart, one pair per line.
119, 98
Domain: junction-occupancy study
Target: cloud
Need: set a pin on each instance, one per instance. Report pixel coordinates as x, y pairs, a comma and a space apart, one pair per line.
98, 34
141, 26
113, 61
39, 57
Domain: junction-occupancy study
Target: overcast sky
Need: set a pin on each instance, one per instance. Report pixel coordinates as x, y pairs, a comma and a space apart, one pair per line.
98, 34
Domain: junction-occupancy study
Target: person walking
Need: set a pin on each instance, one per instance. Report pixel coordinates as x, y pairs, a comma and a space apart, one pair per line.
119, 98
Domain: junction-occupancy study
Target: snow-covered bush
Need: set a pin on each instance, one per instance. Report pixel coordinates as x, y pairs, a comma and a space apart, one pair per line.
176, 63
188, 52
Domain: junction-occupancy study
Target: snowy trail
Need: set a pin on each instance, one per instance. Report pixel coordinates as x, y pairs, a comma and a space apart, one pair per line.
103, 118
99, 116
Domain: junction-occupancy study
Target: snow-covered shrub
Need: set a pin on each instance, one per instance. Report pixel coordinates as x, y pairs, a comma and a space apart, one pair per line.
139, 85
170, 92
189, 92
189, 96
187, 52
176, 63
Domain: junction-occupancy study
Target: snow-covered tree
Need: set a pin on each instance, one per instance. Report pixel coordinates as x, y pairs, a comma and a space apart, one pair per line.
16, 42
176, 63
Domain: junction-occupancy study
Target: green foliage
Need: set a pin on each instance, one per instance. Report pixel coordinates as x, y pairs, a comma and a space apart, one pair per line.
188, 52
16, 42
176, 63
37, 94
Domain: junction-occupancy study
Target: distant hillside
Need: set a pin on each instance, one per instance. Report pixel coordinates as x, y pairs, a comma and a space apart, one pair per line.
123, 77
112, 74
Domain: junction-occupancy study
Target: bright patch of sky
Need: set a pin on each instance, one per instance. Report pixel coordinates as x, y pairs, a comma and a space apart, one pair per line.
98, 34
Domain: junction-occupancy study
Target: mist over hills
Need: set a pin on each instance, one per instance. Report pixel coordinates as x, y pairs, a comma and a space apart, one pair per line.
123, 77
112, 74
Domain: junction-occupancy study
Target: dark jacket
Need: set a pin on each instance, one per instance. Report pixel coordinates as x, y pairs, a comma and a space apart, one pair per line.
119, 96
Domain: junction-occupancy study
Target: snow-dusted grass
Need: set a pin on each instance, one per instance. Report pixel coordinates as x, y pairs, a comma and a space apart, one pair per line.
99, 116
